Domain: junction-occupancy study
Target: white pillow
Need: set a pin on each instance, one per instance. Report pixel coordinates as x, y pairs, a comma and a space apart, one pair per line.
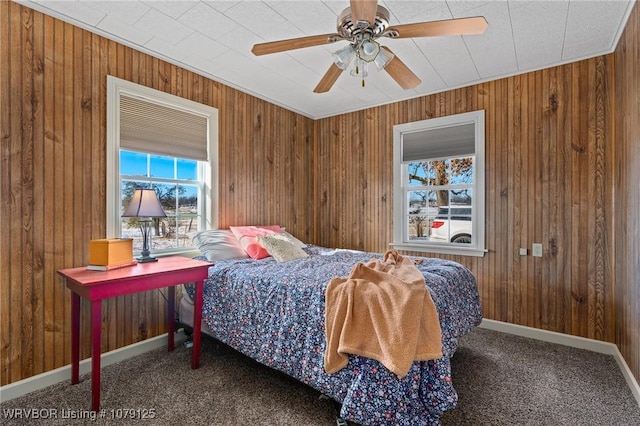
294, 239
281, 248
219, 244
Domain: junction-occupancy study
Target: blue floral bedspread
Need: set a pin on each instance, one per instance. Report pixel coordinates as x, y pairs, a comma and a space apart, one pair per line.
274, 313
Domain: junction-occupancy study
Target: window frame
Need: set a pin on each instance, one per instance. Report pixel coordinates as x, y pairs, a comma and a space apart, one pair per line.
401, 187
209, 192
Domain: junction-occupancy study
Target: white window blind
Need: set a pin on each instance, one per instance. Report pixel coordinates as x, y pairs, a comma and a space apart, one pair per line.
154, 128
455, 141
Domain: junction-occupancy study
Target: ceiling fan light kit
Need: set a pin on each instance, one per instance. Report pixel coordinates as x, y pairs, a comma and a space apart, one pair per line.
360, 25
364, 52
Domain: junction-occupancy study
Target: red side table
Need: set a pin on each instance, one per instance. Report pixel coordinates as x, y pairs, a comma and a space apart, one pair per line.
97, 285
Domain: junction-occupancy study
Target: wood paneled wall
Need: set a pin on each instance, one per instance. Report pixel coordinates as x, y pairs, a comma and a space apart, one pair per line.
551, 152
52, 178
627, 191
549, 171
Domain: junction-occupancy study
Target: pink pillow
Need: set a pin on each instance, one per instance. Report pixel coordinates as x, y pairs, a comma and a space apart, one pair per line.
248, 238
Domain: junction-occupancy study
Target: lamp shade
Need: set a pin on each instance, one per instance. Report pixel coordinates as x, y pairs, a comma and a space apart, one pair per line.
368, 50
383, 59
144, 204
344, 56
359, 69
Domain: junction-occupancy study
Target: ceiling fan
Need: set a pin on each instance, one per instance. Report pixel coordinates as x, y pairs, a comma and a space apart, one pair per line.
362, 25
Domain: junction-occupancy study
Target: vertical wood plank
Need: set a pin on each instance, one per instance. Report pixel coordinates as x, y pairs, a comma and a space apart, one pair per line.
39, 194
61, 356
567, 201
68, 185
551, 194
52, 328
7, 123
511, 193
27, 199
5, 176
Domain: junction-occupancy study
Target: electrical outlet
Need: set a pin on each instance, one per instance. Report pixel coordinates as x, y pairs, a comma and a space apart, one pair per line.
537, 250
523, 251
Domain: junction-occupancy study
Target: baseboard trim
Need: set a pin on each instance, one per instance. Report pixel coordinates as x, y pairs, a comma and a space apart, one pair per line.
569, 340
48, 378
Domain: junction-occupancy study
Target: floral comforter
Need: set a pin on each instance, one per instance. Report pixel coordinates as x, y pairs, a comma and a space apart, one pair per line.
274, 313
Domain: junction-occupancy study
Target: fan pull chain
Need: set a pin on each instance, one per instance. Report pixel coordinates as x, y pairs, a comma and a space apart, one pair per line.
358, 72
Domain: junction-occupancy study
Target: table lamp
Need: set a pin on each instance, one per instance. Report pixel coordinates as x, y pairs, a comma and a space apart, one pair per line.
144, 204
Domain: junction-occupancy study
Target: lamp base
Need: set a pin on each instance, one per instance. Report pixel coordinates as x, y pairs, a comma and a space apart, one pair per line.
146, 259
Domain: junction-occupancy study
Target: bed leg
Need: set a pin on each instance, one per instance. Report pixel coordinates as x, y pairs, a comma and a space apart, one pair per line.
336, 410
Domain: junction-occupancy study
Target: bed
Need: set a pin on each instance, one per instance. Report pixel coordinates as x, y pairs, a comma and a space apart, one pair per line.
274, 312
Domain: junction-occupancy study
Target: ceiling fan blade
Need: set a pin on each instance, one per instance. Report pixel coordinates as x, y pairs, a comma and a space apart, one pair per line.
363, 11
447, 27
400, 72
293, 43
328, 79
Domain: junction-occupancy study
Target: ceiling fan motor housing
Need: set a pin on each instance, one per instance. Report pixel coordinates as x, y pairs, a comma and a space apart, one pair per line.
350, 30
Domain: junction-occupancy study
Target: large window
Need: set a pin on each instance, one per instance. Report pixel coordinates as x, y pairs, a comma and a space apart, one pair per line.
439, 185
160, 141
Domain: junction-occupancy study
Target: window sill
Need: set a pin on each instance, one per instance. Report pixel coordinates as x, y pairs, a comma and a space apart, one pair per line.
191, 253
424, 248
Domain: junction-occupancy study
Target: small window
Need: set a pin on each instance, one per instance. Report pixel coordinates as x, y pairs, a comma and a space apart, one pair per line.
439, 185
160, 141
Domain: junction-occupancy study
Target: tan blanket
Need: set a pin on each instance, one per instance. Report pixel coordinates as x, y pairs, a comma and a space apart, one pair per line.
382, 311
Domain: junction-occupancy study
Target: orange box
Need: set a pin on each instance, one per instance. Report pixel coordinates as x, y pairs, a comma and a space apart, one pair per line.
110, 251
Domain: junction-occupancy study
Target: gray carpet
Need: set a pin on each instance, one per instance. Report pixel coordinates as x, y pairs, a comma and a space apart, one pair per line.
501, 380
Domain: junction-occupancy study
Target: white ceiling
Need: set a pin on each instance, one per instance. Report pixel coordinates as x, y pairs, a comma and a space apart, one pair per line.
214, 38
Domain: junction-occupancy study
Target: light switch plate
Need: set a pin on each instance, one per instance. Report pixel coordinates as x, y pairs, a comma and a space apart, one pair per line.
523, 251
